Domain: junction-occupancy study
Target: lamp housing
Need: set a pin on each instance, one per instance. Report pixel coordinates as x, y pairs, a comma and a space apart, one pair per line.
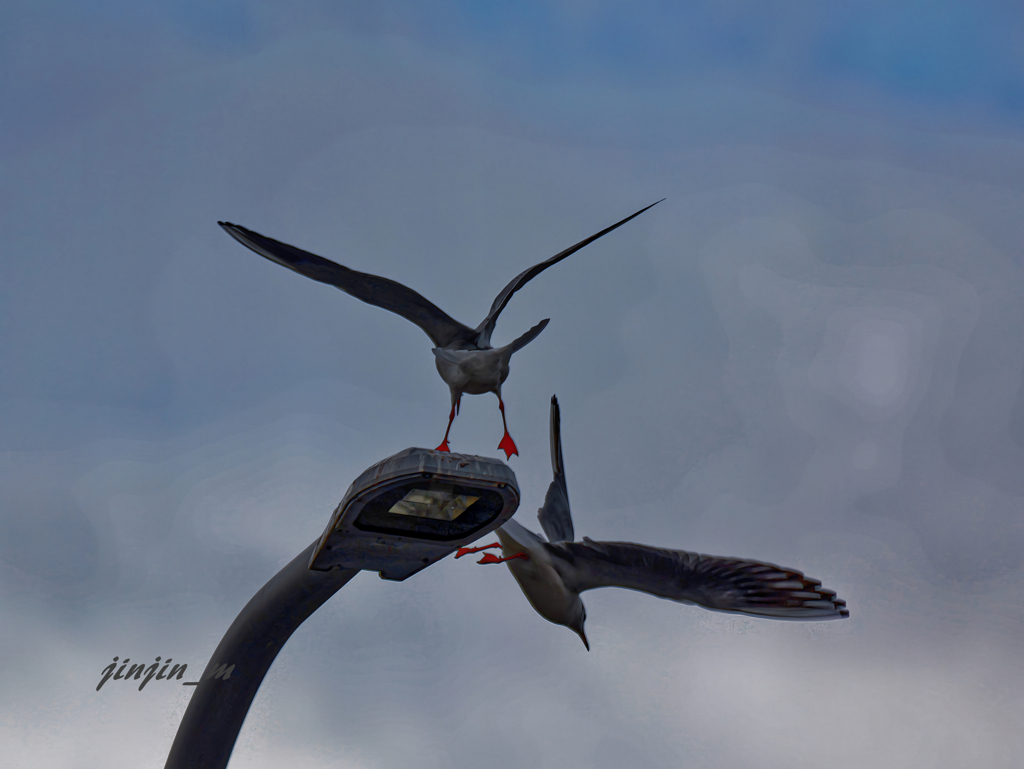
414, 508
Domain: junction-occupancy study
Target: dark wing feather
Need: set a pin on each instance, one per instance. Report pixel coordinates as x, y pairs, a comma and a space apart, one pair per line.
722, 584
486, 328
372, 289
555, 517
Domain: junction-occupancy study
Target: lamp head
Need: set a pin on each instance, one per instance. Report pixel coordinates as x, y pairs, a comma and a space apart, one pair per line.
414, 508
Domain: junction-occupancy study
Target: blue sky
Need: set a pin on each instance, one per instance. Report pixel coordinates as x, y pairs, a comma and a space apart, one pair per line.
808, 354
943, 56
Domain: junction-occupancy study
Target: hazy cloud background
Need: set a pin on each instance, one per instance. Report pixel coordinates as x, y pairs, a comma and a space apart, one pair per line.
810, 353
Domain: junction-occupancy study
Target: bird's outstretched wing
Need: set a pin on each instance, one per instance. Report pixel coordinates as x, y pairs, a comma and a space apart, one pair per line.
554, 517
443, 330
722, 584
486, 328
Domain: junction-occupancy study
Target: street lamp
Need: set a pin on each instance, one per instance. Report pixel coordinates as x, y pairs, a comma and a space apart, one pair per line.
401, 515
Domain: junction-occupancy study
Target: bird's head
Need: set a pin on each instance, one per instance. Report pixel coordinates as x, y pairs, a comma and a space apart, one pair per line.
577, 617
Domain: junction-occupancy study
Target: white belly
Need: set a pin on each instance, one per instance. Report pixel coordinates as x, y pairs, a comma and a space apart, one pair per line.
544, 590
539, 581
473, 371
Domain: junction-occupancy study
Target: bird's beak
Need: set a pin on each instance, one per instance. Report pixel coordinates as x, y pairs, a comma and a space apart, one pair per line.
583, 636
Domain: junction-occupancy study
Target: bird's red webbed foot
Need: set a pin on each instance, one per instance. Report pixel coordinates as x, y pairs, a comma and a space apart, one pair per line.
507, 444
492, 558
489, 557
467, 550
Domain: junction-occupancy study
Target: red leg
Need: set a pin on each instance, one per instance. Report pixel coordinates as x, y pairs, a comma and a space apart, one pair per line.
507, 444
467, 550
451, 418
491, 558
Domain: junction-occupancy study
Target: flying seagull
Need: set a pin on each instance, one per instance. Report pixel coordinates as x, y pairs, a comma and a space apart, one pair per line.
464, 357
552, 574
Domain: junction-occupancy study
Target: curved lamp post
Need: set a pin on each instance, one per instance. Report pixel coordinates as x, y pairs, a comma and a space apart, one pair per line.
401, 515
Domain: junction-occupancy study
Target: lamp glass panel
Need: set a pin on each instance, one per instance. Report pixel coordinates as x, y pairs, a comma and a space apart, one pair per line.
439, 505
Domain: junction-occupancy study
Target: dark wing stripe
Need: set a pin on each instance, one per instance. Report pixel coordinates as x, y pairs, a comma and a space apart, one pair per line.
555, 438
555, 517
722, 584
443, 330
486, 328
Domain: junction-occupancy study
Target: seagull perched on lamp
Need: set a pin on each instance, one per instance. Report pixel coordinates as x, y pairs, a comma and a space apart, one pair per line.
464, 357
552, 574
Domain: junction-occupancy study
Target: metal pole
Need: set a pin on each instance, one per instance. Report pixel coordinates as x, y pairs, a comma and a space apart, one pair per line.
217, 709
